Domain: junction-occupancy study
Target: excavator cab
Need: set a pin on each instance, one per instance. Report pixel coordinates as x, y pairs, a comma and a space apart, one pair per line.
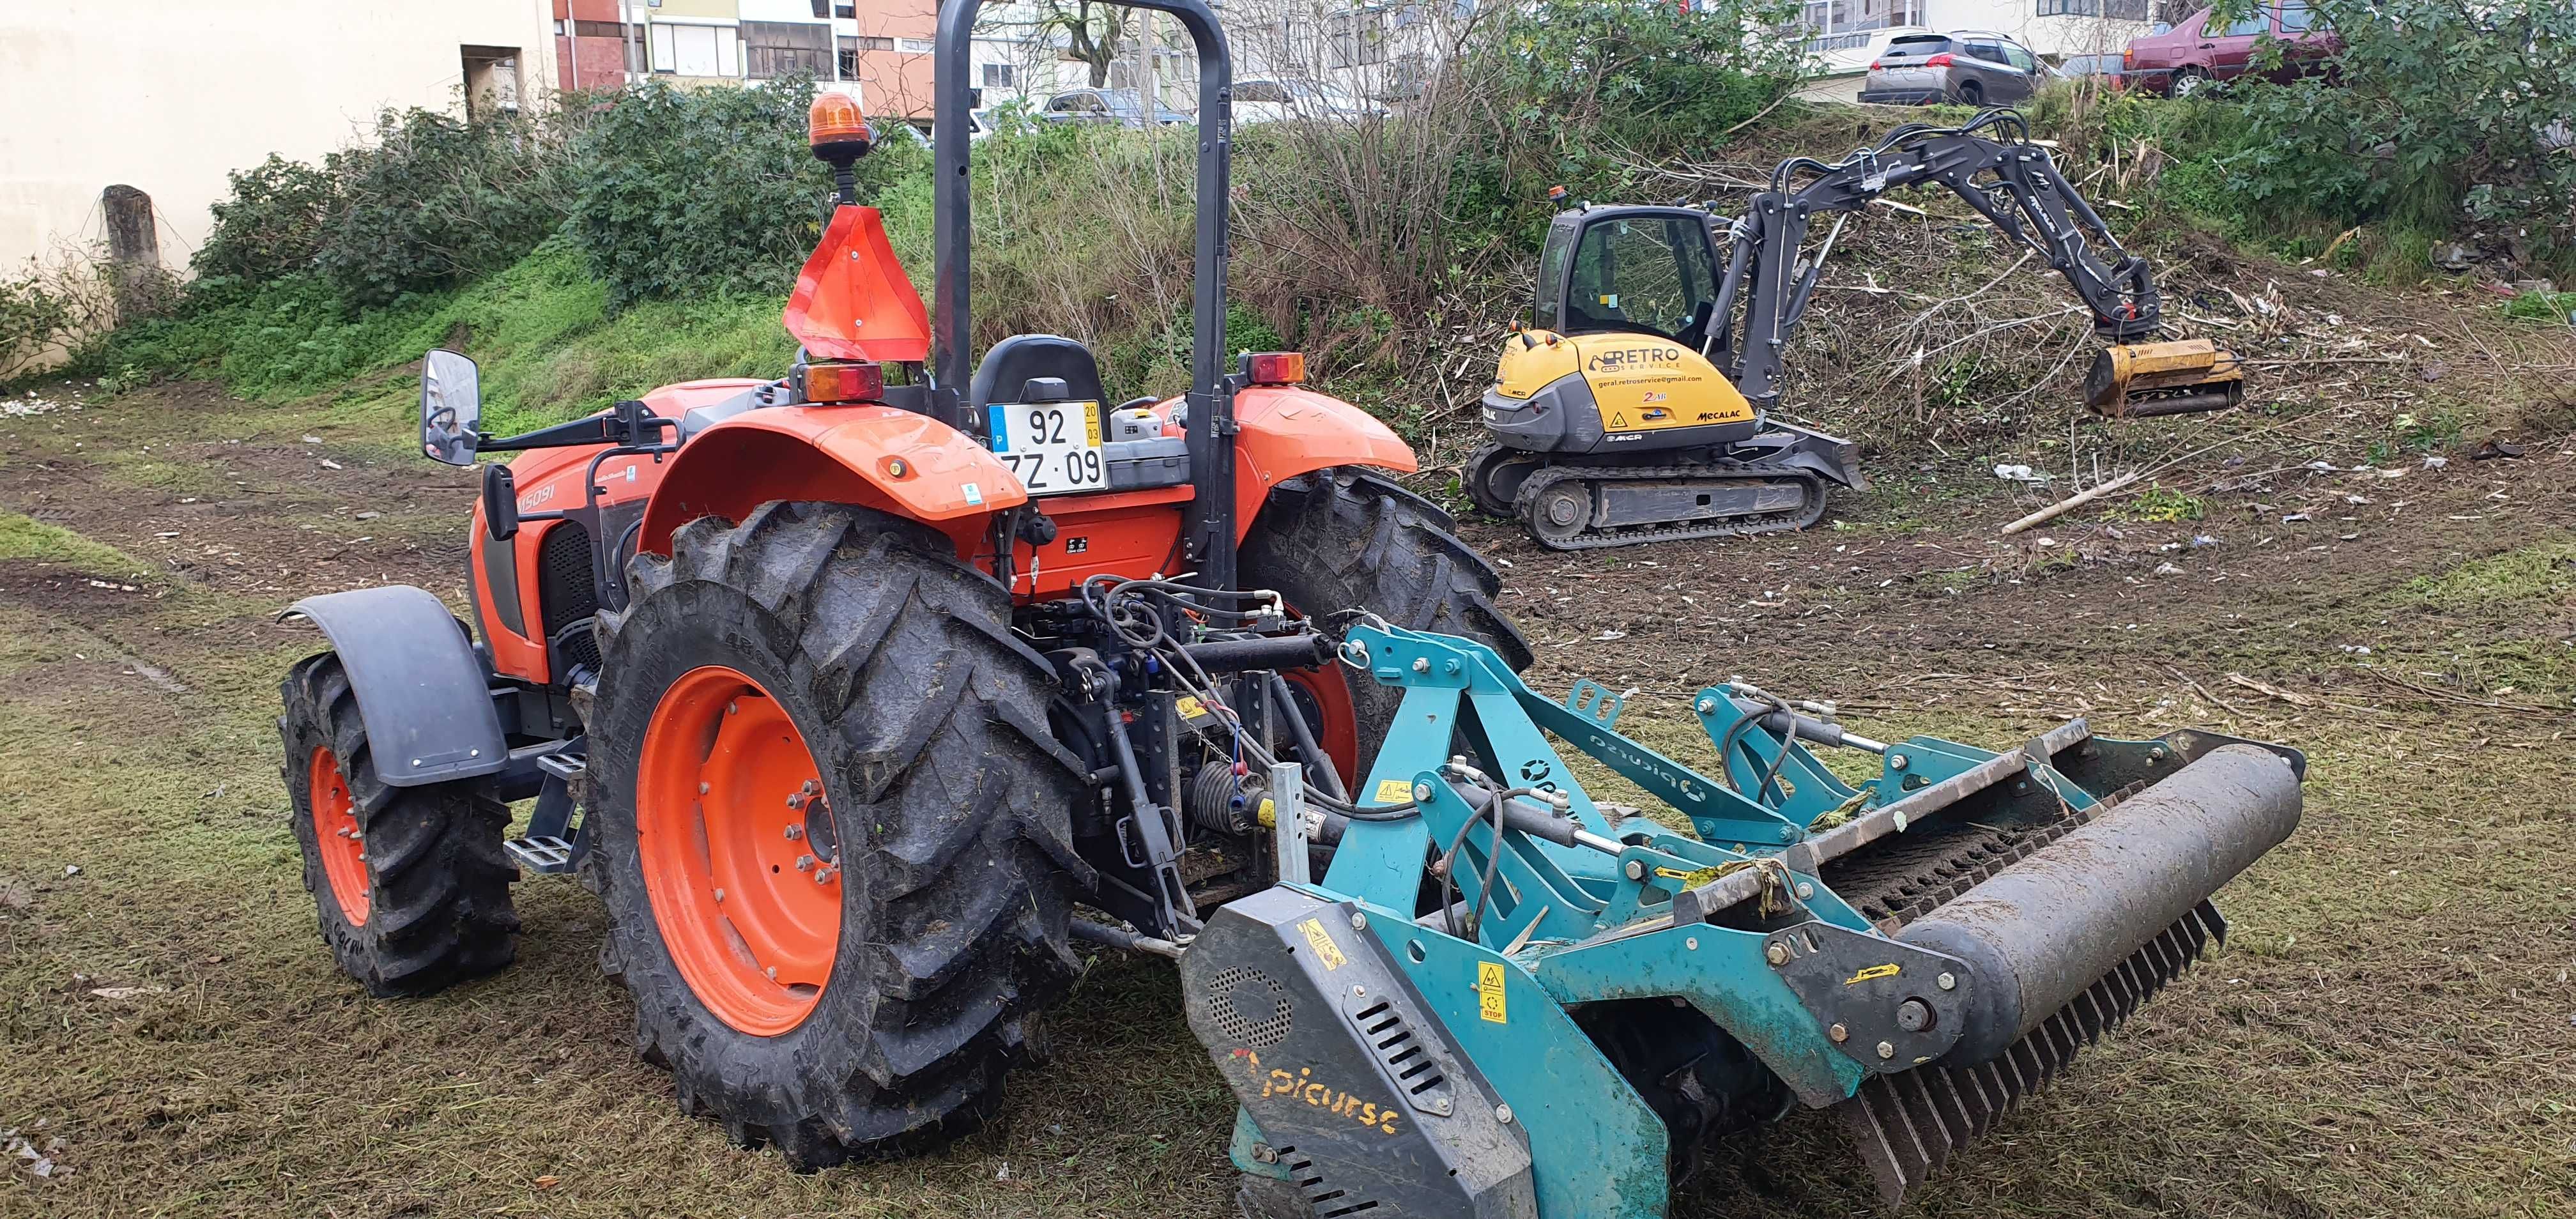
1638, 270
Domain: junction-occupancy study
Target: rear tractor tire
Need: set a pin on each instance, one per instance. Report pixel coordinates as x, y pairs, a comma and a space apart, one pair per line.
833, 830
1350, 539
410, 884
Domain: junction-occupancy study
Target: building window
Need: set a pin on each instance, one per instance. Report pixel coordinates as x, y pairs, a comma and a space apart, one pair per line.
2070, 8
694, 50
997, 75
846, 12
2125, 10
851, 49
915, 46
1358, 38
772, 49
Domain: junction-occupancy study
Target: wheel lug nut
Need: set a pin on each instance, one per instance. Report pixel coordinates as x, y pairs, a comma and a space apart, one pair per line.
719, 895
773, 973
804, 862
795, 832
702, 789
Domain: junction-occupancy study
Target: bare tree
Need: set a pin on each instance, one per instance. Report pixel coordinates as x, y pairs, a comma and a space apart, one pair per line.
1093, 32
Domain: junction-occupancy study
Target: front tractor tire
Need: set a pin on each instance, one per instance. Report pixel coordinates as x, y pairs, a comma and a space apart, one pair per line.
833, 830
410, 884
1351, 539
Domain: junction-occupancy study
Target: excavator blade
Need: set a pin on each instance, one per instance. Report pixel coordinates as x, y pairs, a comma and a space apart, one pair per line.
2138, 380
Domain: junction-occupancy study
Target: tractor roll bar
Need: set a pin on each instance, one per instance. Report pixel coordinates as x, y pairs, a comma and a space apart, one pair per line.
1207, 538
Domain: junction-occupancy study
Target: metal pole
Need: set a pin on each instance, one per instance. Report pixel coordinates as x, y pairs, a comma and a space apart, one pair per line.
1288, 820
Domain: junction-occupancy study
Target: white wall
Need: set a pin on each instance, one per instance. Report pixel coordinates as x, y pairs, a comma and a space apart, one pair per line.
168, 97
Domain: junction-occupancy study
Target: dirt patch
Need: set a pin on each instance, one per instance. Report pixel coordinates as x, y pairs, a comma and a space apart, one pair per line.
2365, 1047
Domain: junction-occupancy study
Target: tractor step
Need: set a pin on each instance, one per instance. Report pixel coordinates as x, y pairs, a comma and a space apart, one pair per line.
547, 855
1905, 1125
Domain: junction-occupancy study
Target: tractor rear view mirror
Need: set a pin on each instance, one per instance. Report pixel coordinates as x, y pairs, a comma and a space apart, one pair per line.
451, 405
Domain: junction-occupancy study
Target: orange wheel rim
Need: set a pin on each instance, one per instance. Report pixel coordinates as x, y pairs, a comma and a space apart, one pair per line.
1339, 733
735, 836
336, 836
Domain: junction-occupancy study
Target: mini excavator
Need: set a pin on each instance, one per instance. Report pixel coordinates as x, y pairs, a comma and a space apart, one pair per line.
1641, 404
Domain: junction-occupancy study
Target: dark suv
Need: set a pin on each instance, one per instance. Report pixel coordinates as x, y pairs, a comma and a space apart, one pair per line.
1975, 67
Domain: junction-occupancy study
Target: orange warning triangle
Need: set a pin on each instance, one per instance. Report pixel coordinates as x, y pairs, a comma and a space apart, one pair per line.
1619, 420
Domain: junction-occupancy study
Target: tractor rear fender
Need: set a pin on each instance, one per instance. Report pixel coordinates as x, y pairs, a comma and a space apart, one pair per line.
424, 696
877, 457
1288, 431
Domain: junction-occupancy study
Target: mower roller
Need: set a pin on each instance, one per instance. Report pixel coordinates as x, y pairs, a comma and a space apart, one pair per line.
861, 696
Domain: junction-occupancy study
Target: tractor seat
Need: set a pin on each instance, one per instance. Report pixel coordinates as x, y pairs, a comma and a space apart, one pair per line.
1014, 362
1032, 368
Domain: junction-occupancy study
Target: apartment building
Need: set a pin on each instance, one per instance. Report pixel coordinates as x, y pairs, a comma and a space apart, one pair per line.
163, 101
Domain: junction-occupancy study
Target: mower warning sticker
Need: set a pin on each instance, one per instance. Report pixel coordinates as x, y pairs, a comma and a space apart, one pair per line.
1392, 791
1889, 970
1322, 942
1489, 992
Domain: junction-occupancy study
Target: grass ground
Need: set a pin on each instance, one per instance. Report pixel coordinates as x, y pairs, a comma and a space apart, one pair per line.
2389, 1032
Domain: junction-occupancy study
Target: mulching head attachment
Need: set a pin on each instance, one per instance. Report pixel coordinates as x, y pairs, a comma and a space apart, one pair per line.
2138, 380
1588, 994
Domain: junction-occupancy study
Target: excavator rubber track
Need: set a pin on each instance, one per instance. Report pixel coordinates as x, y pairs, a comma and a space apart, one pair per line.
1906, 1125
1542, 503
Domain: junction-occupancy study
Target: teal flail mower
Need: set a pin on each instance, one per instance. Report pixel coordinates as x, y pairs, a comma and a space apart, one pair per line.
1507, 998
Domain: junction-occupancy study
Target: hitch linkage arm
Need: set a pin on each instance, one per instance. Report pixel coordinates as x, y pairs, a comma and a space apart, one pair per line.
2009, 180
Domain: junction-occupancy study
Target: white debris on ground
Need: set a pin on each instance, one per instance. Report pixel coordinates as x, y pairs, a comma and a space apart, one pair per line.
33, 405
37, 1160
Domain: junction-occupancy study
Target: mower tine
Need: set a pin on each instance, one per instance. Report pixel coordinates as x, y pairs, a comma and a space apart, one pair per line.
1924, 1112
1976, 1096
1950, 1101
1886, 1141
2003, 1083
2212, 919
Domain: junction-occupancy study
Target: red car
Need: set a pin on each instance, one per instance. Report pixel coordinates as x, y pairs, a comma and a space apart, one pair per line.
2204, 48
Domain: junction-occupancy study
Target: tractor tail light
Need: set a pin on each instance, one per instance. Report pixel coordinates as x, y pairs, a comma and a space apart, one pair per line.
835, 129
845, 381
2128, 58
1274, 367
1941, 60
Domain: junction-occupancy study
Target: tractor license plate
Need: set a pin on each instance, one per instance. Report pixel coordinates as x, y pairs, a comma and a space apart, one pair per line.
1054, 447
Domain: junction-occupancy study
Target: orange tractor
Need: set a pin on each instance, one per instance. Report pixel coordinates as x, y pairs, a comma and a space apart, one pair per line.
844, 688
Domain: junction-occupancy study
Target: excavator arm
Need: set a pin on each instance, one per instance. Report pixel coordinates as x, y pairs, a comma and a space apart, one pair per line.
2007, 178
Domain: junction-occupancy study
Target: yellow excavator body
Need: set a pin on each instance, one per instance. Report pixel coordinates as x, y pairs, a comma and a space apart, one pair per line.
1639, 383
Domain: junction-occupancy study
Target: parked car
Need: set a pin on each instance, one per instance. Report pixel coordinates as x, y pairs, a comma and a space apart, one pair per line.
1122, 107
1973, 67
1271, 101
2204, 48
2103, 68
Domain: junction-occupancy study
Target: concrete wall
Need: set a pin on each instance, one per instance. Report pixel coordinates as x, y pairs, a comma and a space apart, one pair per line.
168, 98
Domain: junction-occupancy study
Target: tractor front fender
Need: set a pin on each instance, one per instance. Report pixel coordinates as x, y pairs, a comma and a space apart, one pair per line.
878, 457
424, 696
1287, 431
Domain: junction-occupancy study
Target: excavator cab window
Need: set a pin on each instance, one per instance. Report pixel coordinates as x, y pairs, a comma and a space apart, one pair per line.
1551, 276
1651, 274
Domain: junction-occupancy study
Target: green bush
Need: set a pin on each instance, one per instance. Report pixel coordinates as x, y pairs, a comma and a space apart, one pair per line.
685, 191
430, 204
273, 222
2437, 118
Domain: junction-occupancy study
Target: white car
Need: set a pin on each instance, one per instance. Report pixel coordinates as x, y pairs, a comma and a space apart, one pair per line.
1272, 101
